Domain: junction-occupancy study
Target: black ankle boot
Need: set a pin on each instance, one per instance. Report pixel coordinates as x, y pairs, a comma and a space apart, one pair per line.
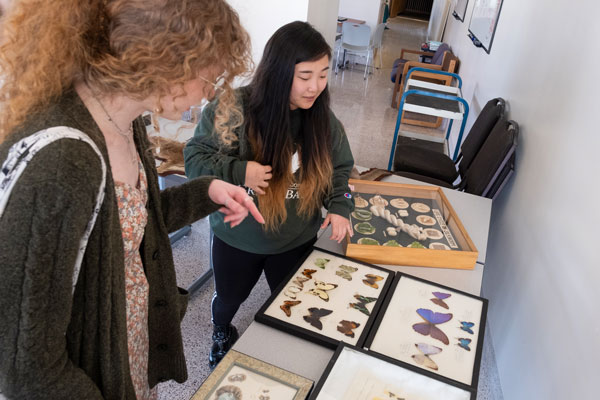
224, 336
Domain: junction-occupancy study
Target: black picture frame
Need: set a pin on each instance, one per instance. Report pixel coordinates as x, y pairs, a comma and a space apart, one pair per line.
484, 20
269, 315
376, 364
390, 303
460, 9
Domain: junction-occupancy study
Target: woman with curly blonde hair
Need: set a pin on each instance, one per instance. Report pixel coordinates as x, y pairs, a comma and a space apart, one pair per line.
89, 307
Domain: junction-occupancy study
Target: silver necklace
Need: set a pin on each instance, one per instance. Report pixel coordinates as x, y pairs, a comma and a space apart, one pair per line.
128, 134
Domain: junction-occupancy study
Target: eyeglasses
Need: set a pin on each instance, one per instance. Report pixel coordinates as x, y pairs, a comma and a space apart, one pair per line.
217, 84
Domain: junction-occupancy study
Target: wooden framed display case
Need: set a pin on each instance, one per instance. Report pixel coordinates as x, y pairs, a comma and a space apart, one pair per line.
356, 374
432, 327
328, 298
413, 225
239, 376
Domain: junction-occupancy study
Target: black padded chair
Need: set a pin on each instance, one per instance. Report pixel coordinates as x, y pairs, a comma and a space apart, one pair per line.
418, 160
494, 164
490, 168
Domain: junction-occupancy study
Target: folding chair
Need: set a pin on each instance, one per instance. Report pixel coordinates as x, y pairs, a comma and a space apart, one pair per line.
492, 166
431, 163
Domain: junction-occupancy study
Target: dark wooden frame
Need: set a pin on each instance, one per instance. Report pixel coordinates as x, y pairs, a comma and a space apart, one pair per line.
312, 336
480, 332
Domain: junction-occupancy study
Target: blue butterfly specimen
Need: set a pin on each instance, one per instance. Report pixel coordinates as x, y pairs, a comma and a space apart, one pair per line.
466, 326
429, 328
464, 343
439, 299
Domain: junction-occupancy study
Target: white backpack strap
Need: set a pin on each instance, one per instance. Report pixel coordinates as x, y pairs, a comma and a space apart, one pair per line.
24, 150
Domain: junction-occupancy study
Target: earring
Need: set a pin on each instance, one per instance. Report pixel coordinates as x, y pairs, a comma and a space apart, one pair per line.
157, 110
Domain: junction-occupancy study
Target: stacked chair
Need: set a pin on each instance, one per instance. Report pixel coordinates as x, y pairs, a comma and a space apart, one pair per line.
357, 39
485, 162
441, 60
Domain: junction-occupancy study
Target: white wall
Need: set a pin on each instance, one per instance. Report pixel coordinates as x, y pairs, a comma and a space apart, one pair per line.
543, 271
323, 16
438, 18
367, 10
262, 18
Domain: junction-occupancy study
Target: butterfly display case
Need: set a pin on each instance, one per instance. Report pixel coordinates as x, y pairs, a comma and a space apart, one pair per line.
357, 374
413, 225
239, 376
329, 298
431, 327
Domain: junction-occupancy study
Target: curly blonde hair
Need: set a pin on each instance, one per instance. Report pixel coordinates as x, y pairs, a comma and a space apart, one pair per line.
134, 47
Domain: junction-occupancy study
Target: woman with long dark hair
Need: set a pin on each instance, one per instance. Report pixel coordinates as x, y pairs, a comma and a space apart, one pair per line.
292, 155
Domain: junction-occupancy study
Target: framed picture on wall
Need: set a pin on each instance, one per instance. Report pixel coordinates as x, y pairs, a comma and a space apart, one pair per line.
460, 9
484, 20
357, 374
239, 376
431, 327
329, 298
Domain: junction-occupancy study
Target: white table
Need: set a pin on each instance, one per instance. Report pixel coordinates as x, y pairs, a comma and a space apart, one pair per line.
308, 359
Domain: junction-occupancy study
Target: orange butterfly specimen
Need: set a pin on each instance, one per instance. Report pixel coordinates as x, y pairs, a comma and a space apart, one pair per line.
287, 305
346, 327
371, 280
308, 273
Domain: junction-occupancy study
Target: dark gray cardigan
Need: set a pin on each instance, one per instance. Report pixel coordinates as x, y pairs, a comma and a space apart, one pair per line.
39, 235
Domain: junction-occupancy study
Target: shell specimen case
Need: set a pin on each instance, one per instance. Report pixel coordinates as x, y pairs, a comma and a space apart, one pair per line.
382, 220
410, 225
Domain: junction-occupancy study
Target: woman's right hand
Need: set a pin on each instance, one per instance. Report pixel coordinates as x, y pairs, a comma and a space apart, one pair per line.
236, 202
257, 176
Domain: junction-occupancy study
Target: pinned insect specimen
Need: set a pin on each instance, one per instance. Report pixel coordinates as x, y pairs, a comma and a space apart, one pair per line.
429, 328
371, 280
314, 318
346, 327
424, 359
287, 305
362, 303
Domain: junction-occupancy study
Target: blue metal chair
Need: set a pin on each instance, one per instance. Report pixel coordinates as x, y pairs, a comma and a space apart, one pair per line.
433, 99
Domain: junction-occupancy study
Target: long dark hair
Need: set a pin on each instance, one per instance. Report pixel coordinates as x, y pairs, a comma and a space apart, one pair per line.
268, 119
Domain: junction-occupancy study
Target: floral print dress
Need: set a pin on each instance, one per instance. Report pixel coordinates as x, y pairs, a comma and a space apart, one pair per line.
133, 217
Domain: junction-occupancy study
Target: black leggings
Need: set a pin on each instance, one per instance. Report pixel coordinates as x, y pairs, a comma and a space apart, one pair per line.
237, 271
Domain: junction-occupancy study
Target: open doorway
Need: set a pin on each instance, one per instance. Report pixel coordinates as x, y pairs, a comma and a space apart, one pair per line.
418, 9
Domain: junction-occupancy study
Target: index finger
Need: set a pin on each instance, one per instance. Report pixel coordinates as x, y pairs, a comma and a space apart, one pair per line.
247, 202
254, 211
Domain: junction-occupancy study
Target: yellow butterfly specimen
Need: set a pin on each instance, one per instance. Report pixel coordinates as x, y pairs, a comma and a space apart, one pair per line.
321, 289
